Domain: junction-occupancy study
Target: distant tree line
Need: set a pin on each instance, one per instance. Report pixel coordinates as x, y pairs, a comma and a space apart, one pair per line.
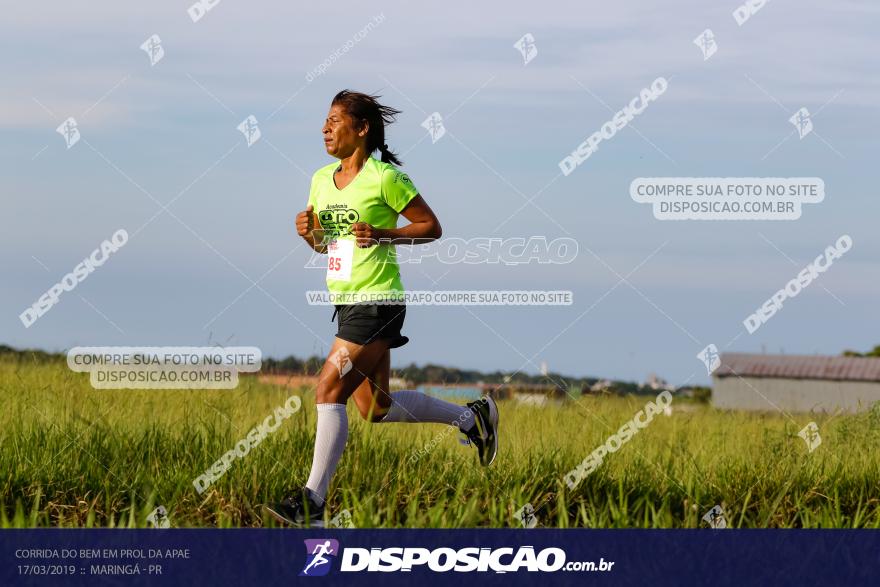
875, 352
431, 373
30, 355
291, 364
412, 373
435, 374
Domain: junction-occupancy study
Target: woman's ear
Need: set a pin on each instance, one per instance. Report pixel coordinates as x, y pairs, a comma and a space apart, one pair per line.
365, 128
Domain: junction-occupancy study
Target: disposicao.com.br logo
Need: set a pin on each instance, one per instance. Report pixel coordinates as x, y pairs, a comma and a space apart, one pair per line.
441, 560
319, 554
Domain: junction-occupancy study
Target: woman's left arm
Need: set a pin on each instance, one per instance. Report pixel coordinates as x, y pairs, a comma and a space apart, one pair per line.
423, 227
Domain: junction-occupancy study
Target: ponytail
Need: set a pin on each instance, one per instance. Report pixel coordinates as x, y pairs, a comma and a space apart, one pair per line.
388, 156
365, 108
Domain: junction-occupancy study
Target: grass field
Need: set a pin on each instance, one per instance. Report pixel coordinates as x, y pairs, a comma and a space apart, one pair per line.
75, 456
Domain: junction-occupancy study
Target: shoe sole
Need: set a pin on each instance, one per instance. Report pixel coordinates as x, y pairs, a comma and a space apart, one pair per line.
493, 417
287, 522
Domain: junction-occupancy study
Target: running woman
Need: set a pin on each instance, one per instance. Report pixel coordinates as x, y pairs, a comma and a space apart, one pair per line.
352, 216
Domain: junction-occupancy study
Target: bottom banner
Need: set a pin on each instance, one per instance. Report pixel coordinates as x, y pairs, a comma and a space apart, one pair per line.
436, 557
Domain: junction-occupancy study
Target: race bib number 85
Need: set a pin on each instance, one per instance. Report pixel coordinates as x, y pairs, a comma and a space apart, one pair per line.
340, 255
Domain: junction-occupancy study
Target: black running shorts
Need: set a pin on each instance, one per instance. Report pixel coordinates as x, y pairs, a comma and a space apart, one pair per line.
365, 323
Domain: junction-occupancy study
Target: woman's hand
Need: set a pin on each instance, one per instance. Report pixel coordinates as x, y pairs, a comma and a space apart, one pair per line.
308, 227
304, 222
366, 234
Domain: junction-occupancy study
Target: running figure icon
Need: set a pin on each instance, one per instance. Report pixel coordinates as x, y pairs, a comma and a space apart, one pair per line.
318, 553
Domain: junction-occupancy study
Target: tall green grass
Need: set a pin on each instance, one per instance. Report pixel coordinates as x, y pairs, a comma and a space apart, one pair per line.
75, 456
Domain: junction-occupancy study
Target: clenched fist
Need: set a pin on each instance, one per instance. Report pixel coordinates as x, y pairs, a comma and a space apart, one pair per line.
305, 222
366, 235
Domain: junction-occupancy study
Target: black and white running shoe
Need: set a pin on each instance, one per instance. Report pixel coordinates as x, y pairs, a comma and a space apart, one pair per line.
298, 510
484, 433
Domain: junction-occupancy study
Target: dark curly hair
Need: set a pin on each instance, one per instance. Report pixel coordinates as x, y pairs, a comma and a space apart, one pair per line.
366, 108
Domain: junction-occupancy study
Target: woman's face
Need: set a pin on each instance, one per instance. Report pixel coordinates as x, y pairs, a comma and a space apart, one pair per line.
341, 137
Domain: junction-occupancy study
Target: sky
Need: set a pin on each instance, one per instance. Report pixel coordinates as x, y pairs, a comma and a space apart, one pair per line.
213, 257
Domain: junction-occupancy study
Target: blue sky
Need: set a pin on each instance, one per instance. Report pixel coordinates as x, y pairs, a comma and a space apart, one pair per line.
169, 131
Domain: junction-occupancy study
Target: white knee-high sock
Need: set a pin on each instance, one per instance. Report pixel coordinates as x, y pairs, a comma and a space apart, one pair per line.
330, 441
413, 406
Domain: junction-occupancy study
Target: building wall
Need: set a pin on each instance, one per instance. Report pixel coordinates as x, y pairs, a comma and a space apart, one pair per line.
793, 395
